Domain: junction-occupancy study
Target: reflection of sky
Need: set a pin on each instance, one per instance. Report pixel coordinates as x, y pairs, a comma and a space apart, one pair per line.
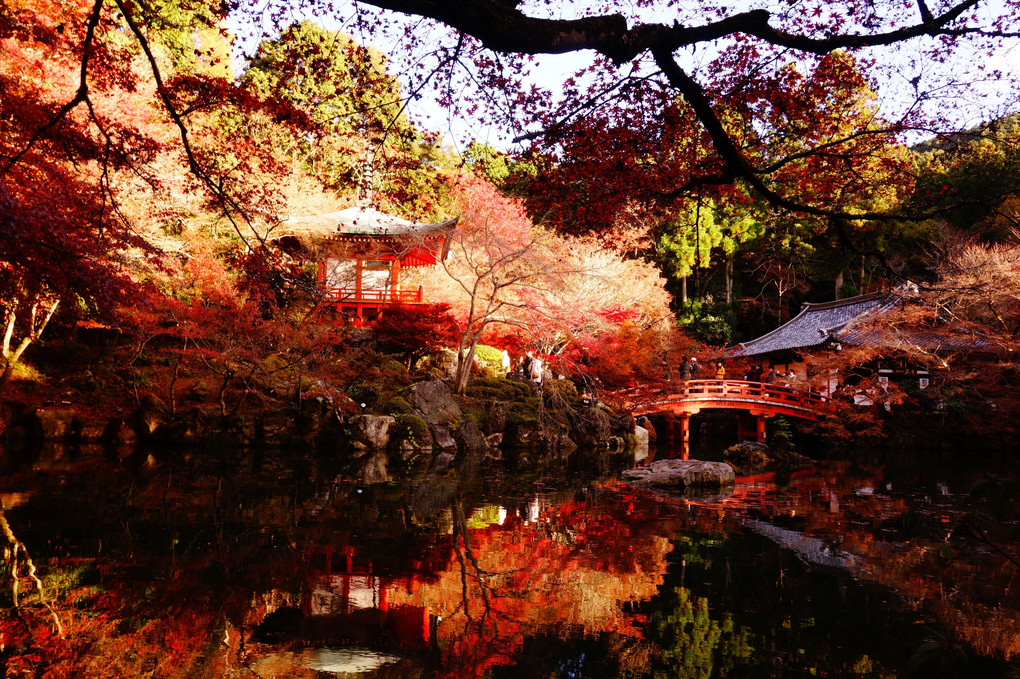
329, 660
965, 86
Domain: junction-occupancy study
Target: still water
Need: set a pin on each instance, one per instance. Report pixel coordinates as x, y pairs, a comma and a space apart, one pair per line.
189, 564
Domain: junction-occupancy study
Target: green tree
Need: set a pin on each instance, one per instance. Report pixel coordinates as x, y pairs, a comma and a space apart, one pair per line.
366, 142
975, 177
344, 87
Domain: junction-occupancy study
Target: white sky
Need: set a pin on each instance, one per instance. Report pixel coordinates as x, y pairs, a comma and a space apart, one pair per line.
975, 96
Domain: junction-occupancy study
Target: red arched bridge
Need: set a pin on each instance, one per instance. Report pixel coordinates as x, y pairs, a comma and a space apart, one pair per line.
761, 400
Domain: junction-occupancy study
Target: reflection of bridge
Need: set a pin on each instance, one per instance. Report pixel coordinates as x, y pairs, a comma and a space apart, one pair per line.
761, 400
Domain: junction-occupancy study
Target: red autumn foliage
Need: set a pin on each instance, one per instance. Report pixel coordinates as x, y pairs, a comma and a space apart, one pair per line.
415, 330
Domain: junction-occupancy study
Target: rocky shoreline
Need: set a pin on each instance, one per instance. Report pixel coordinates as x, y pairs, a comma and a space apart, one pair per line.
427, 426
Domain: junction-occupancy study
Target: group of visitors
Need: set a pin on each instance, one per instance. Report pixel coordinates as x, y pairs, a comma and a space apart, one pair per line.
690, 368
769, 375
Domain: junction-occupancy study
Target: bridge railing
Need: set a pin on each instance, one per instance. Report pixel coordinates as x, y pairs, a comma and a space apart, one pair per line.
729, 389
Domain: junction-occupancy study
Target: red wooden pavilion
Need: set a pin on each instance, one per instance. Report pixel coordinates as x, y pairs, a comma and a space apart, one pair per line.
361, 253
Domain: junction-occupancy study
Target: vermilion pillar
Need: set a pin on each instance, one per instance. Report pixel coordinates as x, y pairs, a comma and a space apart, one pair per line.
685, 436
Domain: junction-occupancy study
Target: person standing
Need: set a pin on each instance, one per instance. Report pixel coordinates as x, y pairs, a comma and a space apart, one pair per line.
537, 369
686, 370
720, 371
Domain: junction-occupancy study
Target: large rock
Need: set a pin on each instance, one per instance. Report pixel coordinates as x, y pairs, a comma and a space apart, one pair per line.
442, 438
435, 402
749, 457
525, 434
641, 440
148, 417
682, 474
57, 424
649, 427
372, 432
592, 426
470, 437
495, 417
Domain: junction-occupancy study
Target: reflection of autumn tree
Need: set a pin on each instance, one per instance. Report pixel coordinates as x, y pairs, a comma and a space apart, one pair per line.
574, 569
19, 566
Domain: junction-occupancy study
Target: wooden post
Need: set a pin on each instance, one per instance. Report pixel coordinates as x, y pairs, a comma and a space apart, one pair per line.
760, 433
740, 426
685, 436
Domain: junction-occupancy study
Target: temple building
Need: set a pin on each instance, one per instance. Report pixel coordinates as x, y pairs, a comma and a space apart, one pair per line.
362, 254
861, 322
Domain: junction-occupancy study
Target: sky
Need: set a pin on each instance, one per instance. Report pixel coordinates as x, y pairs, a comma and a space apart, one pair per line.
971, 99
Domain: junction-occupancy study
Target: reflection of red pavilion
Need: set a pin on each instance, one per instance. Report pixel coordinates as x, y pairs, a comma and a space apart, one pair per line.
357, 601
361, 254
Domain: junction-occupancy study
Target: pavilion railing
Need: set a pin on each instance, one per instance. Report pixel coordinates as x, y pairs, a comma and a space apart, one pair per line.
353, 296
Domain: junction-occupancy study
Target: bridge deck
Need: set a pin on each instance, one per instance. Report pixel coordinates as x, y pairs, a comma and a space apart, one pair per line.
758, 398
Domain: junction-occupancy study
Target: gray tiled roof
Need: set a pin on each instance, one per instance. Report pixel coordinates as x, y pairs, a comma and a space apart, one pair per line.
364, 221
816, 324
941, 341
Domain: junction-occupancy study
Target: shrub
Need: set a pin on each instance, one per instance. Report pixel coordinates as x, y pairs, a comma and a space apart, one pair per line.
490, 360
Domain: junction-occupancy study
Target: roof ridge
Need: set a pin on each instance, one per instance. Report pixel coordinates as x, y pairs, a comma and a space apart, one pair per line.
847, 301
802, 312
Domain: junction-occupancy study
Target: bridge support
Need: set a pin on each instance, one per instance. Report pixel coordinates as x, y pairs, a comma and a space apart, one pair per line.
685, 436
759, 434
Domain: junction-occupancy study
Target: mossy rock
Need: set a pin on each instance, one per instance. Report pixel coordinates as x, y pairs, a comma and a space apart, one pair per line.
500, 389
397, 405
748, 456
559, 392
364, 393
414, 428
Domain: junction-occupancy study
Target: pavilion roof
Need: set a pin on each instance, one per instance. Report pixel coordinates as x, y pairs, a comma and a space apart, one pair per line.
355, 221
818, 324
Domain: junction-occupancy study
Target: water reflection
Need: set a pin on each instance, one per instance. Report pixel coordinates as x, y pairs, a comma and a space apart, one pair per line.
191, 565
335, 661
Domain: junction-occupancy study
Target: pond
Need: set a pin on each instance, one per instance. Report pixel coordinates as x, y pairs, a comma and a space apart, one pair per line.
263, 564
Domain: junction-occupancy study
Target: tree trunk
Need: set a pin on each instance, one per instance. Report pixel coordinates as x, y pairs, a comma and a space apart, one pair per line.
729, 280
839, 283
464, 363
35, 329
683, 292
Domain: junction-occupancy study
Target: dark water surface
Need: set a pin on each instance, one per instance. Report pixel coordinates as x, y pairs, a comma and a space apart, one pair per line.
188, 564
